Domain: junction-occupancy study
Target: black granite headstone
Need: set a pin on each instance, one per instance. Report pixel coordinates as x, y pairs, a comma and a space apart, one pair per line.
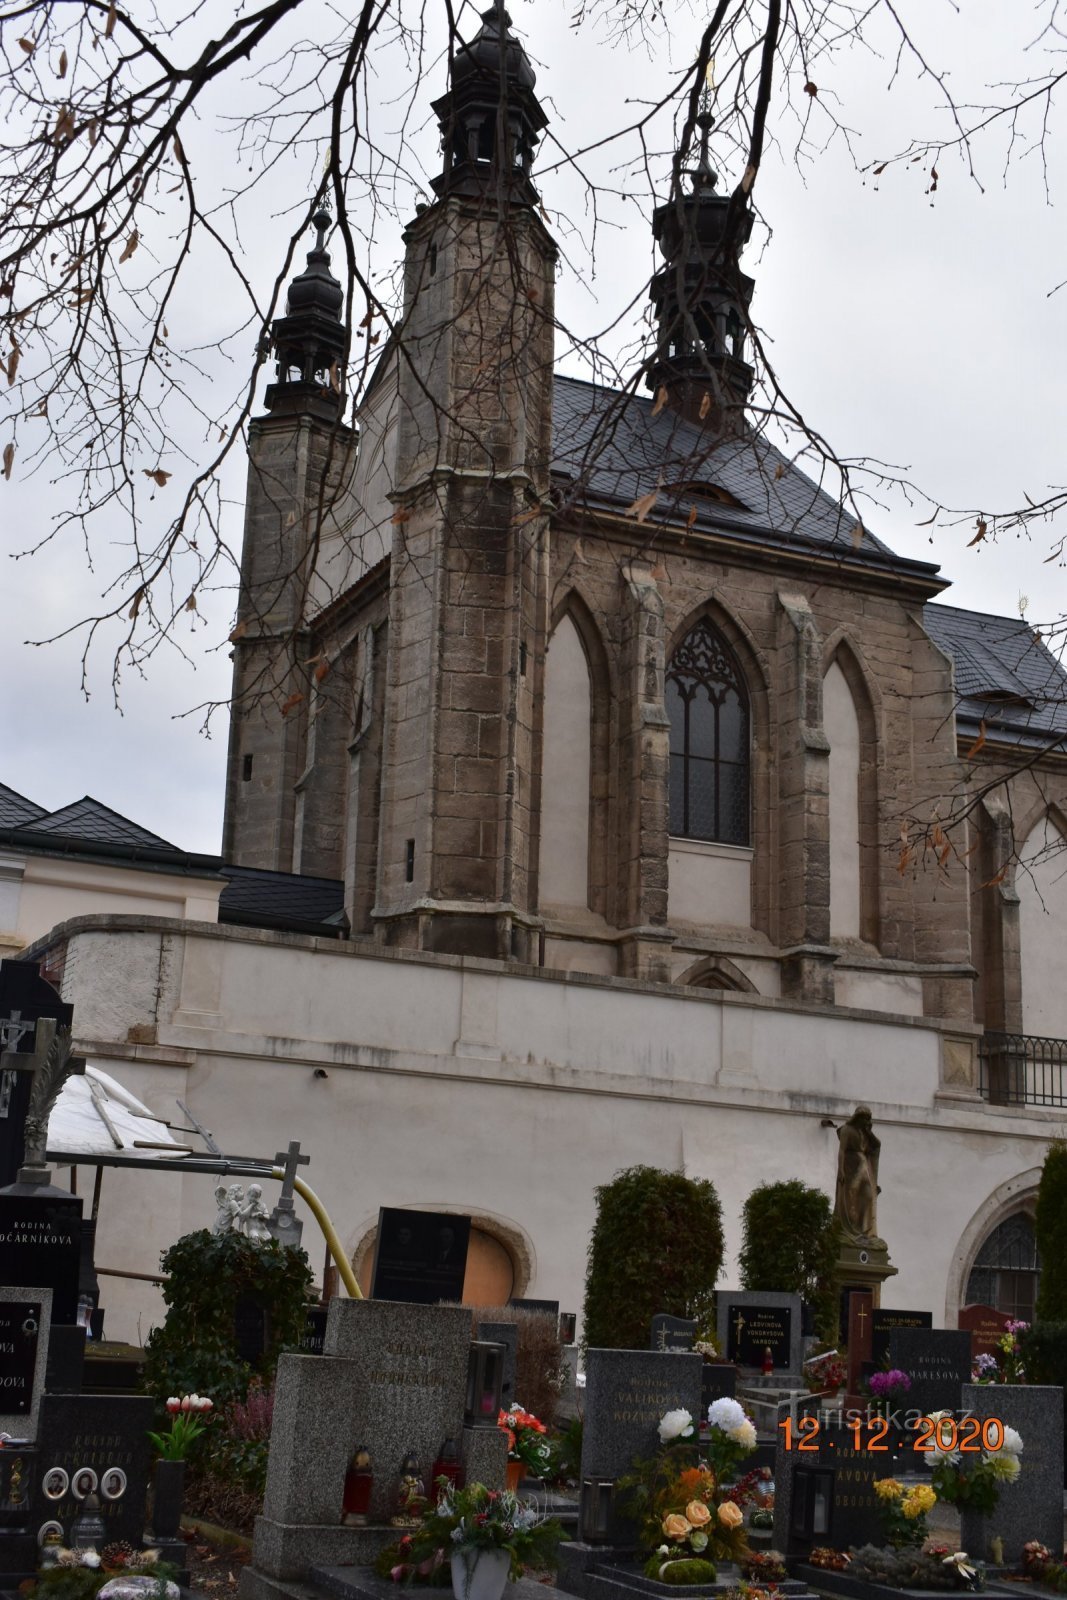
25, 997
829, 1468
672, 1333
938, 1362
884, 1321
41, 1247
757, 1330
717, 1379
99, 1433
20, 1322
314, 1330
421, 1256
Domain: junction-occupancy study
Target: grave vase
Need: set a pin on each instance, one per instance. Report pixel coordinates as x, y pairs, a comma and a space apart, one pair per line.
168, 1486
515, 1474
480, 1574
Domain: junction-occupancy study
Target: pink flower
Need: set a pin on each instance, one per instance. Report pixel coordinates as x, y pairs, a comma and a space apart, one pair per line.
174, 1404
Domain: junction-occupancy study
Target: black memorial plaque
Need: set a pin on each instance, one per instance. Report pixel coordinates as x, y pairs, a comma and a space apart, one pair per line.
25, 997
104, 1433
421, 1256
41, 1247
752, 1330
717, 1379
314, 1335
938, 1362
672, 1333
20, 1325
883, 1324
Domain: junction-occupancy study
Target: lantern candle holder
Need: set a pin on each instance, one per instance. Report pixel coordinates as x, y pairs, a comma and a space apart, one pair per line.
596, 1508
485, 1383
359, 1482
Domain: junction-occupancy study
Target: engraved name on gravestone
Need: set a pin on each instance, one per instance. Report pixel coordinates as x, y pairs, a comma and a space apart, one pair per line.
24, 1329
938, 1362
40, 1247
854, 1510
627, 1393
751, 1322
420, 1256
102, 1435
884, 1322
672, 1333
986, 1326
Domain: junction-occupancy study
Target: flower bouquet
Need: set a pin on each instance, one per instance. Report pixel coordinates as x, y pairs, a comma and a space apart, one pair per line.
474, 1519
975, 1487
188, 1420
885, 1388
904, 1511
731, 1436
527, 1441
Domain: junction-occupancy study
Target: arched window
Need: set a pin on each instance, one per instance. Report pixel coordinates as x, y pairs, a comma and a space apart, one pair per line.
707, 704
1006, 1269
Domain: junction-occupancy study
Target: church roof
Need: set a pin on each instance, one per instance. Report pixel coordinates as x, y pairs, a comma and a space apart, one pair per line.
1006, 676
257, 898
89, 819
15, 809
609, 450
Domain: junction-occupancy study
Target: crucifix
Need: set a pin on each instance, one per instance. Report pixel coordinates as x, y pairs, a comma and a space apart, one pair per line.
739, 1323
13, 1028
51, 1064
284, 1222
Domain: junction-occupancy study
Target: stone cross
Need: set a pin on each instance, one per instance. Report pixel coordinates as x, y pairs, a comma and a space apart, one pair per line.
284, 1223
51, 1064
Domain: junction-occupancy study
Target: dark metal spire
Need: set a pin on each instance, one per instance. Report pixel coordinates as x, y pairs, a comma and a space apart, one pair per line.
309, 341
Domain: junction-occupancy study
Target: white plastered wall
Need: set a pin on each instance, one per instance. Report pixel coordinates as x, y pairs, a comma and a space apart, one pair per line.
843, 731
1041, 881
566, 763
708, 885
38, 892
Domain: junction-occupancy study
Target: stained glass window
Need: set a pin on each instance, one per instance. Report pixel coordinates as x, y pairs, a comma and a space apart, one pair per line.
707, 704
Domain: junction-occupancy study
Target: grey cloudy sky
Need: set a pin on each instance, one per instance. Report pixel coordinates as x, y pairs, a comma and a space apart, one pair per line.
921, 330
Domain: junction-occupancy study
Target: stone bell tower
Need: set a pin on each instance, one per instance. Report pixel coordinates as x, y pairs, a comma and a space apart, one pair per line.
299, 459
469, 555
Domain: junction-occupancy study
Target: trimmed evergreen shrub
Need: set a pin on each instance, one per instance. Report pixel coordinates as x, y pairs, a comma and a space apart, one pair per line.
791, 1243
1050, 1231
195, 1351
656, 1246
1045, 1353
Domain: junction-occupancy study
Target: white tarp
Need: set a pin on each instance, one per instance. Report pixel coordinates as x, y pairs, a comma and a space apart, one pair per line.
90, 1106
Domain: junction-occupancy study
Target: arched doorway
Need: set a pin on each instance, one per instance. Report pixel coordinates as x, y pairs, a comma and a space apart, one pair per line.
1007, 1268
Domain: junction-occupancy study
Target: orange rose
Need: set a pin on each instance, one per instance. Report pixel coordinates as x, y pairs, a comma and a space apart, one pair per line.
675, 1526
697, 1514
730, 1516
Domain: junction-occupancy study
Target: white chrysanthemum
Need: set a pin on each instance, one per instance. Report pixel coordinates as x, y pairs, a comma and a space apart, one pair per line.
744, 1435
726, 1414
1004, 1466
675, 1425
1012, 1442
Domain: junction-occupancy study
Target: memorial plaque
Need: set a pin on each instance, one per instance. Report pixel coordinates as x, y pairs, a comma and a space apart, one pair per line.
672, 1333
106, 1435
938, 1362
986, 1326
884, 1323
41, 1246
718, 1379
842, 1475
24, 1330
314, 1334
756, 1329
420, 1256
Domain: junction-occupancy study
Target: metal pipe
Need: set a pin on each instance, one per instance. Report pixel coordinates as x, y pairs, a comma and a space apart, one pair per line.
337, 1250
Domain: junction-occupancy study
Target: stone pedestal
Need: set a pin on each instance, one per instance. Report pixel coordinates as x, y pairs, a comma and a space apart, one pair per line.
865, 1264
1032, 1506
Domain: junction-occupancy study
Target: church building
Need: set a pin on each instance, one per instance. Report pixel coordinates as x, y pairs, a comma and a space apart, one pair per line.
639, 769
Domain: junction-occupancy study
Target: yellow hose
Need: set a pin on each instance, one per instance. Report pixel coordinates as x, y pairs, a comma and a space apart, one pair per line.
329, 1232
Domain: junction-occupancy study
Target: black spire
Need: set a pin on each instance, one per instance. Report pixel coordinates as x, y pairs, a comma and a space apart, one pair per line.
490, 118
309, 341
701, 295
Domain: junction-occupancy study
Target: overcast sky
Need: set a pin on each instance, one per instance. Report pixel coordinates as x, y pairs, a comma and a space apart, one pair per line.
919, 329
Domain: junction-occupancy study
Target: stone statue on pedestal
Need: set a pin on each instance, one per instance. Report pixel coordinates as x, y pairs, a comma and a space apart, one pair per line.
856, 1199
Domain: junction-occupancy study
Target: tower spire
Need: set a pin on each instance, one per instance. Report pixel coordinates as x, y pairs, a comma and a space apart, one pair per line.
490, 118
309, 341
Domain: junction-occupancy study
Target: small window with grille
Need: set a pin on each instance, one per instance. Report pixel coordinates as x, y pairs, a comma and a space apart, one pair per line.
707, 703
1006, 1269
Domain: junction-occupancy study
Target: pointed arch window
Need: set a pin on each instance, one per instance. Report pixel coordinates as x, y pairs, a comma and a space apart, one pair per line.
707, 704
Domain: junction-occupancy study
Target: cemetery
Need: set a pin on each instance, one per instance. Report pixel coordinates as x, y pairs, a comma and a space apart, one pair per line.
791, 1437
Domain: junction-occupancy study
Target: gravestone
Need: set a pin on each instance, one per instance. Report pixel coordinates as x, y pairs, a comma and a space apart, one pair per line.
753, 1321
41, 1245
986, 1326
854, 1511
25, 997
938, 1362
1032, 1506
860, 1337
314, 1335
672, 1333
627, 1392
507, 1334
421, 1256
102, 1435
25, 1324
718, 1380
885, 1321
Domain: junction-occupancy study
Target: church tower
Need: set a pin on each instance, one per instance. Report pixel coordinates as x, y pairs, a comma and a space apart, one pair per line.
299, 461
458, 839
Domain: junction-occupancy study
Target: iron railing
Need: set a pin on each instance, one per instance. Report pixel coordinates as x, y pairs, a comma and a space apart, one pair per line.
1022, 1069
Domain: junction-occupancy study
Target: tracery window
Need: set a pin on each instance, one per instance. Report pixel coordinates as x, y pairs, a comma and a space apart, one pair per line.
1007, 1269
707, 703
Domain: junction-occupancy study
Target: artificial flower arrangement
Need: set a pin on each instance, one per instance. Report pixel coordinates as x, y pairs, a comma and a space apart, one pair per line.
935, 1567
469, 1519
1040, 1565
885, 1388
1007, 1365
689, 1513
904, 1510
976, 1485
527, 1440
825, 1373
830, 1560
188, 1419
81, 1574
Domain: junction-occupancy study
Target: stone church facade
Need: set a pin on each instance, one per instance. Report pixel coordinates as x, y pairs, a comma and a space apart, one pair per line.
634, 759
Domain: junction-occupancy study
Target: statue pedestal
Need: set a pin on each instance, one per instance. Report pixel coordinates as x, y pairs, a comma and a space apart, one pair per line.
864, 1264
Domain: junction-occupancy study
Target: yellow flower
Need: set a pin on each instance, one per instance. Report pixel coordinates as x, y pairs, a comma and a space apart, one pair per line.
730, 1516
697, 1513
888, 1488
675, 1526
923, 1496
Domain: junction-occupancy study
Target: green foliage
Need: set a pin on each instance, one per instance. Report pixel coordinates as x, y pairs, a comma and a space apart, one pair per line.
84, 1583
692, 1570
656, 1246
195, 1349
791, 1243
567, 1451
1050, 1230
905, 1569
1044, 1347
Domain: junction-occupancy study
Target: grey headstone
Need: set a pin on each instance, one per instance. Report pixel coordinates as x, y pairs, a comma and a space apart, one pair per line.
938, 1362
310, 1440
751, 1321
507, 1334
1032, 1506
672, 1333
856, 1517
25, 1321
96, 1431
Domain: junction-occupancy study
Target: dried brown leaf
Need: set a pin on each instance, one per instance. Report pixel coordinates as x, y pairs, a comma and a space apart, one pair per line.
157, 475
997, 878
61, 70
978, 743
136, 605
239, 632
857, 535
130, 246
64, 128
291, 703
190, 604
28, 45
643, 505
980, 535
9, 459
13, 363
779, 472
691, 518
531, 514
179, 153
811, 88
112, 17
401, 514
661, 400
705, 405
322, 671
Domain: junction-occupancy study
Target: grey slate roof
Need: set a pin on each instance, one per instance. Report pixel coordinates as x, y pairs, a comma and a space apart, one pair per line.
1005, 676
88, 819
608, 450
15, 809
260, 899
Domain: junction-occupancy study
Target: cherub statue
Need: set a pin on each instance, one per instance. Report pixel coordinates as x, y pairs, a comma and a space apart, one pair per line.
229, 1204
252, 1216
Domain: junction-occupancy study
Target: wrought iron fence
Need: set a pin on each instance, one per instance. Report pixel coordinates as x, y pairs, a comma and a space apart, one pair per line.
1022, 1069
